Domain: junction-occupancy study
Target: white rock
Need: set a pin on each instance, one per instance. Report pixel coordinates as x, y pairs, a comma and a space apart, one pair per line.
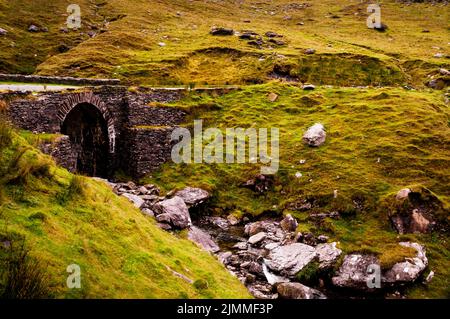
202, 239
403, 193
173, 211
315, 135
410, 269
271, 246
327, 254
290, 259
257, 238
193, 196
136, 200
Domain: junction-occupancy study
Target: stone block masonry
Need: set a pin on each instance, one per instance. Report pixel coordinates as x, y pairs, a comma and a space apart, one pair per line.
104, 129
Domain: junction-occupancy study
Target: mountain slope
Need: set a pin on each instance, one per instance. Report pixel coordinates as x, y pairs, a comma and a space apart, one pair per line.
128, 37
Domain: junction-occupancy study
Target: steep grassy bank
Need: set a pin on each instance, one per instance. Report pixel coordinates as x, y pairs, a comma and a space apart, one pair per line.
66, 219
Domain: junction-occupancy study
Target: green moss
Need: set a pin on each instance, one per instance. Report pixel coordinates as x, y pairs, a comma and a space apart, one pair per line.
309, 274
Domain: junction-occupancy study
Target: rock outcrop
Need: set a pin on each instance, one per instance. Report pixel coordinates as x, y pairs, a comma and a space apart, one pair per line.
174, 212
295, 290
414, 211
354, 272
203, 239
193, 196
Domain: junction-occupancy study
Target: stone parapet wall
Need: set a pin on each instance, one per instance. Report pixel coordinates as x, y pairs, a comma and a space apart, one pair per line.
151, 148
63, 151
56, 80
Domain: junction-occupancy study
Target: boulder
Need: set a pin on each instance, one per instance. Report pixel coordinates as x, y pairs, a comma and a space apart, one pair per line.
295, 290
402, 194
271, 34
439, 83
408, 270
277, 42
353, 272
255, 268
441, 71
267, 226
322, 238
233, 220
193, 196
257, 238
310, 51
290, 259
3, 32
271, 246
289, 223
249, 35
309, 87
221, 31
173, 211
224, 257
202, 239
216, 221
142, 190
136, 200
33, 28
328, 255
315, 135
414, 210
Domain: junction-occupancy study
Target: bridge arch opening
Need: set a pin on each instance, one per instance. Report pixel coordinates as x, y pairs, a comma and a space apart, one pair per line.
88, 132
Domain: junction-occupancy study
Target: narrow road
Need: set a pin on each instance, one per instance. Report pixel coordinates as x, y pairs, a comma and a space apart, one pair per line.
35, 87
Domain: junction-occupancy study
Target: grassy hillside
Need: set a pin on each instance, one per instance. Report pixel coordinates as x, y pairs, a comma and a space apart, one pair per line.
128, 37
378, 142
66, 219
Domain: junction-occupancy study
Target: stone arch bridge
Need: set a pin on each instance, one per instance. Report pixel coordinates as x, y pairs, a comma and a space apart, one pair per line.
104, 129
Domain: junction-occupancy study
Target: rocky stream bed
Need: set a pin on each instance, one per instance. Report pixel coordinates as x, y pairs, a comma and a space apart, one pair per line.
270, 257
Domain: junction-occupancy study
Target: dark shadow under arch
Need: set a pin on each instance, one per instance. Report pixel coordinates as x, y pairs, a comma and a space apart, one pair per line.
88, 132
